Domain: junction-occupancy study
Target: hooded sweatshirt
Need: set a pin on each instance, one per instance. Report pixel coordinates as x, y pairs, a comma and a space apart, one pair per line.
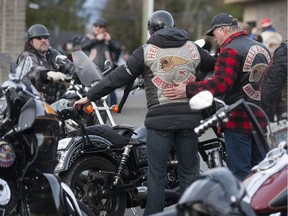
168, 55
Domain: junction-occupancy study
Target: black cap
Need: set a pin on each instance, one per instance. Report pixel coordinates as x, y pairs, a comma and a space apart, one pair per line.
100, 22
222, 19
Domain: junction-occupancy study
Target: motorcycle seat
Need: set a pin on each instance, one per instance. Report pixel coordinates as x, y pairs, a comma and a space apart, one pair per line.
106, 132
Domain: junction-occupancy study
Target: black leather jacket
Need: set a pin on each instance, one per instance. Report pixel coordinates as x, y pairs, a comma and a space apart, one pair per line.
274, 84
34, 66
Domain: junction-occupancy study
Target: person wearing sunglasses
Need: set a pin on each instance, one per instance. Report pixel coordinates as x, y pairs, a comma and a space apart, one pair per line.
100, 46
37, 64
97, 43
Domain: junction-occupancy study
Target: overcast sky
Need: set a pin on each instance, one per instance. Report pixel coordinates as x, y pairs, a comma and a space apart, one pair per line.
94, 8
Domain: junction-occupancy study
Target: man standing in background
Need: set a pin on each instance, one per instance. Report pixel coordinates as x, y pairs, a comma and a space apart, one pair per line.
270, 37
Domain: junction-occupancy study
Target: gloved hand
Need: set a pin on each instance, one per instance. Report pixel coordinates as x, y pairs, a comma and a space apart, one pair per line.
56, 76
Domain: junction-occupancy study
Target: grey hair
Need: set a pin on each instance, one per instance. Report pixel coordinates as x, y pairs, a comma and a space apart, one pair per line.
233, 28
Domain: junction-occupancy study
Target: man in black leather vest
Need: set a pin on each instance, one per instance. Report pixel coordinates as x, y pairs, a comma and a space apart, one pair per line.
167, 56
238, 71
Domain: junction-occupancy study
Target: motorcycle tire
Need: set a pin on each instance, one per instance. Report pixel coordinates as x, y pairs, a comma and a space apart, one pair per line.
91, 178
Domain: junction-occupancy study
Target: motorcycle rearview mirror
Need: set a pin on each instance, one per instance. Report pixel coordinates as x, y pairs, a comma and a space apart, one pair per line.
107, 67
200, 42
60, 59
201, 100
107, 64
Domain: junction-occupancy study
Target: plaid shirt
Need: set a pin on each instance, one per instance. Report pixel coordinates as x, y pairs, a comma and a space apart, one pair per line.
227, 70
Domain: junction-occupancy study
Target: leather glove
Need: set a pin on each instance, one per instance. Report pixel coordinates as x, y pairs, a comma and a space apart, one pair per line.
56, 76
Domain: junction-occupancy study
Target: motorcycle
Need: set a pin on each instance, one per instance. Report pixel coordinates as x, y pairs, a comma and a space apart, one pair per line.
106, 166
95, 112
263, 192
28, 145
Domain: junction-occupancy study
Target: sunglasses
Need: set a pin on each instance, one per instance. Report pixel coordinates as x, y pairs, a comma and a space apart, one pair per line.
99, 26
43, 37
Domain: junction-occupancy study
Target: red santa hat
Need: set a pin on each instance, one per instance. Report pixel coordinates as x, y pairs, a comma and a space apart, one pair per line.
266, 22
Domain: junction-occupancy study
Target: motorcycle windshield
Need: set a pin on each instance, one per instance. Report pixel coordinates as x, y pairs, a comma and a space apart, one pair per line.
87, 71
7, 64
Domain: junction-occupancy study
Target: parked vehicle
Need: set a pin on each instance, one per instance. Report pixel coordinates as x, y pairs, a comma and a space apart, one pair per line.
29, 138
106, 166
218, 192
83, 75
108, 171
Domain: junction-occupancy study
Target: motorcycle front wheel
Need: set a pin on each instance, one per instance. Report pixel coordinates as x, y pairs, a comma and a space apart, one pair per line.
91, 179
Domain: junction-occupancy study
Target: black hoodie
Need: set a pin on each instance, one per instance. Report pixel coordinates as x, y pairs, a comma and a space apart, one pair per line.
159, 116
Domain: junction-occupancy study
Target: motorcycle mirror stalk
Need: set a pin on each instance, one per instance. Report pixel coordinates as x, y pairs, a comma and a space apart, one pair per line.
107, 67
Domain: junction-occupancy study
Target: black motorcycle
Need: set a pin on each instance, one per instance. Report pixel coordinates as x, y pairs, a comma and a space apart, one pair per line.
83, 75
106, 170
106, 166
29, 138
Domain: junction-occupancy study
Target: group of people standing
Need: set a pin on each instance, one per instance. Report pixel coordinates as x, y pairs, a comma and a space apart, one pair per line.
267, 35
170, 64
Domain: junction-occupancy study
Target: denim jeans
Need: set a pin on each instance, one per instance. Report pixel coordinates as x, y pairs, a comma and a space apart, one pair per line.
159, 145
242, 153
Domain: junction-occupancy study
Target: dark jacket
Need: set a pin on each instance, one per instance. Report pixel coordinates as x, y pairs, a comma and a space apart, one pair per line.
167, 56
240, 65
35, 66
97, 50
274, 84
253, 59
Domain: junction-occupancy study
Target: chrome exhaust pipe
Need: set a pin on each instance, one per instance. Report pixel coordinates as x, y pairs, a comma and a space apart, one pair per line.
141, 192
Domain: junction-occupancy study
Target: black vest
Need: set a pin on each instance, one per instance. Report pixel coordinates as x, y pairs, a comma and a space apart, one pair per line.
254, 58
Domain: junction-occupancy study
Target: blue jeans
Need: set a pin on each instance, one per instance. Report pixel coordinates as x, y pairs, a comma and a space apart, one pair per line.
159, 145
242, 153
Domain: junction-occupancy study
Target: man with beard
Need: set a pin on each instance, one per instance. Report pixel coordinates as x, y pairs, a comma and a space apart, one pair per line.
37, 63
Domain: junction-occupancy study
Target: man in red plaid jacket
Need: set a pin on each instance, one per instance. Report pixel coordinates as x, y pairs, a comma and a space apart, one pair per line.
238, 71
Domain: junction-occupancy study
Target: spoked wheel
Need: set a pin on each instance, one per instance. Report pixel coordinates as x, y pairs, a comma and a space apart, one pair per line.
91, 179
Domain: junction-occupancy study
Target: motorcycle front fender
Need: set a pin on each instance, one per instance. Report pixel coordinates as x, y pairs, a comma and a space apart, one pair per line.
69, 149
71, 197
45, 195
